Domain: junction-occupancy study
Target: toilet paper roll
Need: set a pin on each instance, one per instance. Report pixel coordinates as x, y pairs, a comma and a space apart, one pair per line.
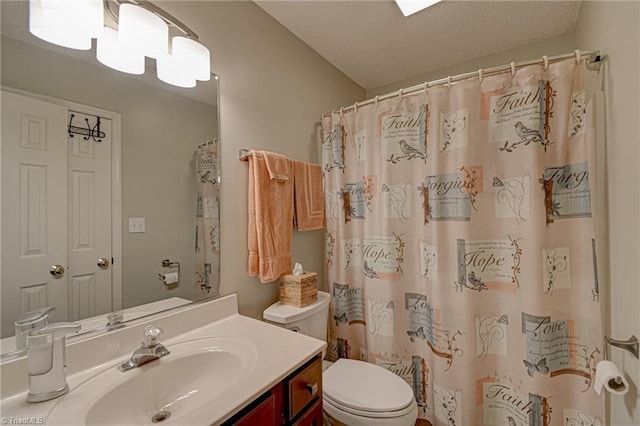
171, 278
609, 377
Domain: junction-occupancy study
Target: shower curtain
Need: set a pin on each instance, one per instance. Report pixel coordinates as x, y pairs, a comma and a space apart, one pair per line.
460, 246
207, 268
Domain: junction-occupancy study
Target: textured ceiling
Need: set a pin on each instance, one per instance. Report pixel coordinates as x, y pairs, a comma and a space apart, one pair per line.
373, 44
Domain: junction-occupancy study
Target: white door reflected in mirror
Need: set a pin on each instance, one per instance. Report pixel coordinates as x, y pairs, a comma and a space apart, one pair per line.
49, 175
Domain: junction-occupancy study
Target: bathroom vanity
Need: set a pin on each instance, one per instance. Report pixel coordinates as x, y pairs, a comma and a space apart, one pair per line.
297, 400
223, 369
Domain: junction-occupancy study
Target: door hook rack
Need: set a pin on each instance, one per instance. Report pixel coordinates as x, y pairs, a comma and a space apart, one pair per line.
93, 132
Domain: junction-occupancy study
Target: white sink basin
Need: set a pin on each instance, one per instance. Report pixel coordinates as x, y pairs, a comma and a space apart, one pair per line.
165, 391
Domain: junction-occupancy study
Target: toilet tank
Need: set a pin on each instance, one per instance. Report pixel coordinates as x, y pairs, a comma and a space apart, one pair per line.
310, 320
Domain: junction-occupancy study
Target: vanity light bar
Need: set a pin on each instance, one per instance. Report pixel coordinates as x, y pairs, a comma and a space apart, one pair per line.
143, 30
110, 6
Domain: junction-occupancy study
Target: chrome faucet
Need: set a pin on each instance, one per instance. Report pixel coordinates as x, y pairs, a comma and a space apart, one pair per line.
149, 350
46, 359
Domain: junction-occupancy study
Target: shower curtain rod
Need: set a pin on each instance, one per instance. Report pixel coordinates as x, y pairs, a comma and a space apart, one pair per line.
594, 58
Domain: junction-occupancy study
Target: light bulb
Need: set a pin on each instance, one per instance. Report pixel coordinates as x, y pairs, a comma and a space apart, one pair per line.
144, 30
67, 23
114, 53
172, 71
193, 56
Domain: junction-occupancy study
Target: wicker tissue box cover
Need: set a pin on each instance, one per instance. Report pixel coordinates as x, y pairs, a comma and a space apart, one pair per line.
299, 290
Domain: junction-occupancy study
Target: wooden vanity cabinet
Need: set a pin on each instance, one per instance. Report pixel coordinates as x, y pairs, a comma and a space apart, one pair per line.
295, 401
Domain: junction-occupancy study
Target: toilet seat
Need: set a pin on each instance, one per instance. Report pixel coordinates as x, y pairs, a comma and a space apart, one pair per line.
373, 414
366, 390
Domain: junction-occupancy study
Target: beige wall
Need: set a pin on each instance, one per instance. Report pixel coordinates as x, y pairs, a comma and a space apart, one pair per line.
160, 131
614, 28
273, 90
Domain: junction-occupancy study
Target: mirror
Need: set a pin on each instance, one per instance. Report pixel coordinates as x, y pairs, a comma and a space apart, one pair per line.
151, 195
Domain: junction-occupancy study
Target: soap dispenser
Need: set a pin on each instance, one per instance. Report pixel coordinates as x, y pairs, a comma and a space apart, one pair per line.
30, 321
46, 353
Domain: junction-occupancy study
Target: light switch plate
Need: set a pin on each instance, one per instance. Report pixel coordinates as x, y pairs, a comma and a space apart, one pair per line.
136, 224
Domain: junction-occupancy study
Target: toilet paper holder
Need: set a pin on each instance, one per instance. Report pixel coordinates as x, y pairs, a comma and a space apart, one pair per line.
166, 263
632, 344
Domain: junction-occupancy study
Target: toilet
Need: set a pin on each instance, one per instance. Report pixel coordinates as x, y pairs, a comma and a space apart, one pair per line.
354, 393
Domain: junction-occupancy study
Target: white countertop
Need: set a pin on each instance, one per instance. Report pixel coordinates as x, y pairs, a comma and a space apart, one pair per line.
280, 352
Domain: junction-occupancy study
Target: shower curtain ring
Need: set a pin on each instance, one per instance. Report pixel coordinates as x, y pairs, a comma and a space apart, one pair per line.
545, 59
341, 110
578, 56
513, 69
449, 81
401, 93
480, 75
355, 106
376, 100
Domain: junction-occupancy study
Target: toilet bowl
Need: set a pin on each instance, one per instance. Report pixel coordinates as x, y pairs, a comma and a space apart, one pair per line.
354, 393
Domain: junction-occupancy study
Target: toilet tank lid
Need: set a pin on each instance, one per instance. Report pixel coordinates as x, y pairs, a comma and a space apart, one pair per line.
285, 314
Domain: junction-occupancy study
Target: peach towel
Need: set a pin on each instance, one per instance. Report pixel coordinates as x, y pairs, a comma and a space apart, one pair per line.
308, 196
270, 215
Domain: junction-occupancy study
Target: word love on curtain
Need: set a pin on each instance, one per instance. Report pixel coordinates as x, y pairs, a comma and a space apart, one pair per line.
460, 246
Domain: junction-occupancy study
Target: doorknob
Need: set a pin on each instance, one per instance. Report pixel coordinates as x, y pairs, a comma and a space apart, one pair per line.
56, 270
103, 263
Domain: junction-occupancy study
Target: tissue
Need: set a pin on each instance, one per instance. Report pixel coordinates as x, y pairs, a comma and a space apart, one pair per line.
171, 278
297, 270
608, 376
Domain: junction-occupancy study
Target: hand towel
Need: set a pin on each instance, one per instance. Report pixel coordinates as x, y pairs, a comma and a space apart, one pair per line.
278, 166
270, 215
308, 196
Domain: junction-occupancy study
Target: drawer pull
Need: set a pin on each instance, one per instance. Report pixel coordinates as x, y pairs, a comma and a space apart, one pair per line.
312, 388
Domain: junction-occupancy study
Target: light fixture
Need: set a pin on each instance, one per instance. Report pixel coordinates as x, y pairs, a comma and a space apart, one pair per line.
114, 53
143, 30
409, 7
193, 55
68, 23
171, 72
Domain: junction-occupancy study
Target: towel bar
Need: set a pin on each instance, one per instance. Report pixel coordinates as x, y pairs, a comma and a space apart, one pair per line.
243, 154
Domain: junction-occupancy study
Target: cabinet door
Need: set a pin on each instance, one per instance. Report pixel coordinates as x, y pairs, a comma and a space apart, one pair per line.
305, 387
266, 411
313, 416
